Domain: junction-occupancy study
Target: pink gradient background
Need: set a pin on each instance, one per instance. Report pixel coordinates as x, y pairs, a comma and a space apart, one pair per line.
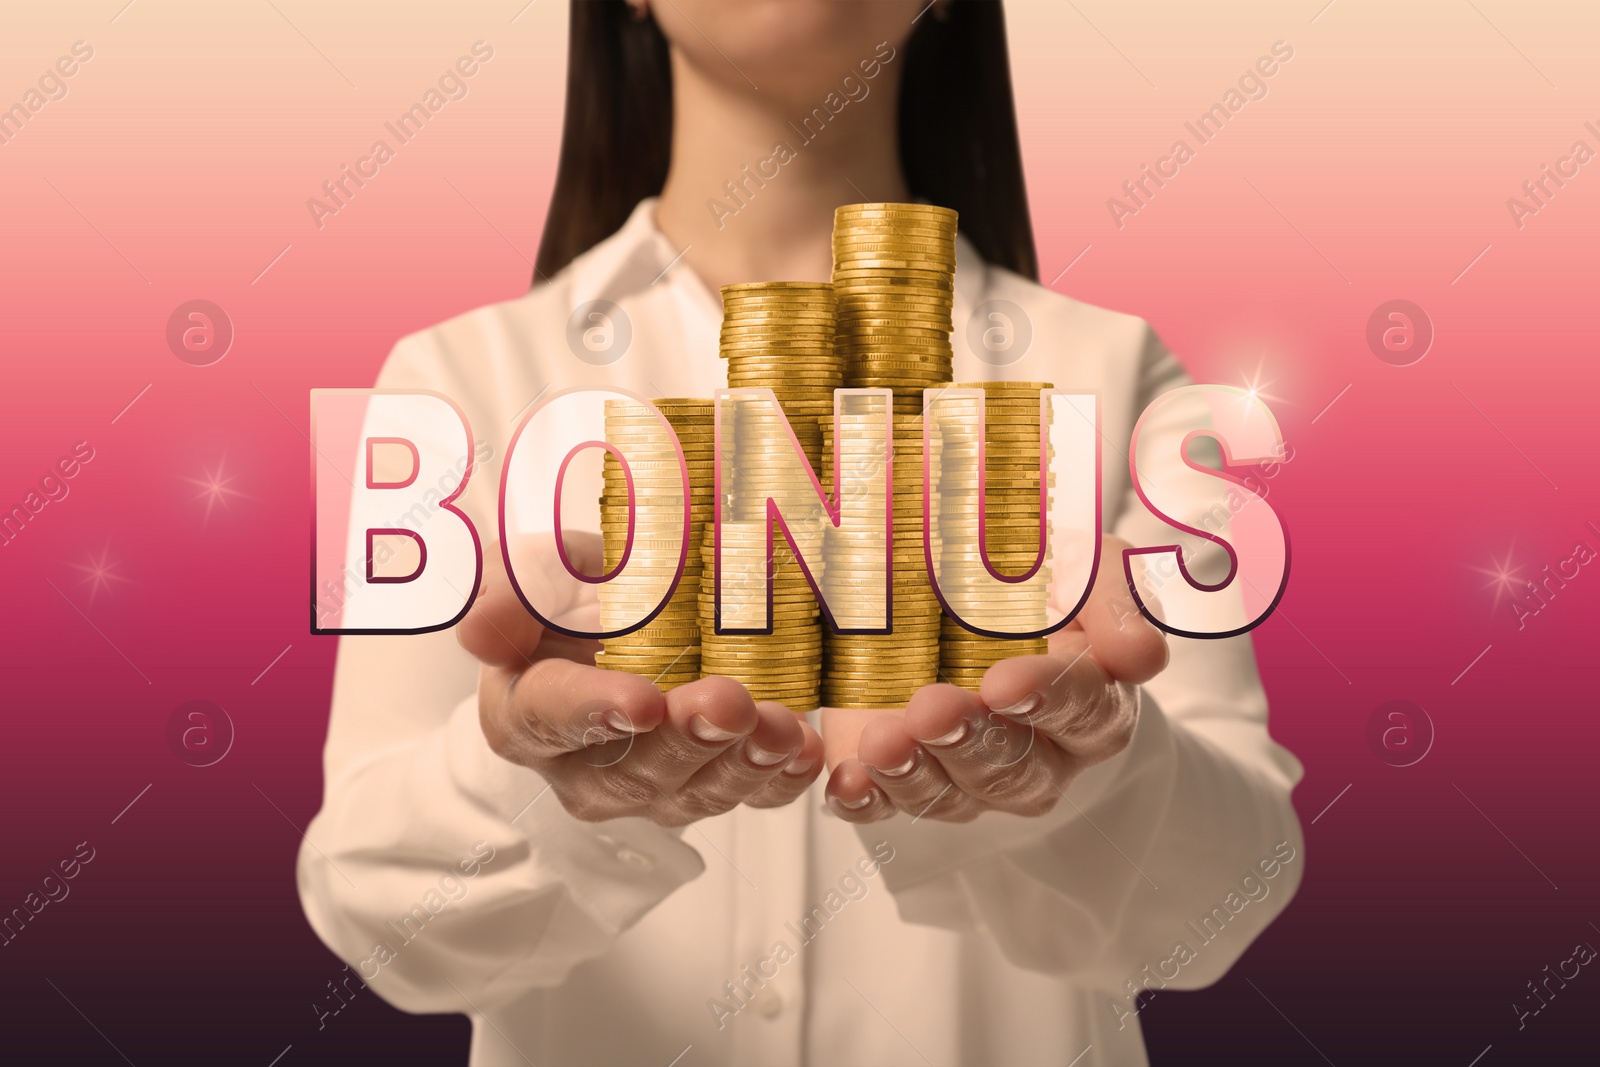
1377, 168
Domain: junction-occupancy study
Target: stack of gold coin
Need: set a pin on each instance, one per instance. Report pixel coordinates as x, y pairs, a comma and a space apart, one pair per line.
894, 273
786, 664
667, 649
779, 336
1011, 516
880, 670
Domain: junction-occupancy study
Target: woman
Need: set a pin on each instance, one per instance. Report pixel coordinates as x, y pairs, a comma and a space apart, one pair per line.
694, 886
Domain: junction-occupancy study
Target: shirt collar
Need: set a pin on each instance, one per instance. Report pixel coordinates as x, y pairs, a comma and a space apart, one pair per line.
633, 259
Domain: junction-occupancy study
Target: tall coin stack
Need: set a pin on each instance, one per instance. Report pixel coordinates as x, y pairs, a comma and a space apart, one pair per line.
785, 665
894, 274
779, 336
667, 650
1011, 529
880, 670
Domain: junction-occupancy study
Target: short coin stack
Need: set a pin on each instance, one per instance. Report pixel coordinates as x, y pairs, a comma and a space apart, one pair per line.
667, 650
785, 665
779, 336
1011, 441
894, 273
880, 670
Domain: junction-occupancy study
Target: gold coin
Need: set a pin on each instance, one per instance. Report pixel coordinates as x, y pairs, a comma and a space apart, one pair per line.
1003, 388
850, 214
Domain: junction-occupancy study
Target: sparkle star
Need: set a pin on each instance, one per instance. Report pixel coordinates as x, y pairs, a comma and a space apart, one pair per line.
99, 572
1255, 388
1504, 576
216, 487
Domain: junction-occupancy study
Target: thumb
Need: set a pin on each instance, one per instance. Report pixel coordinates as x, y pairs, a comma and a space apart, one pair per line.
1125, 643
499, 629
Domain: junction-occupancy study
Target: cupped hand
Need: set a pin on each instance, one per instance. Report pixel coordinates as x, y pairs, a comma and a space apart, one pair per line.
610, 743
1036, 723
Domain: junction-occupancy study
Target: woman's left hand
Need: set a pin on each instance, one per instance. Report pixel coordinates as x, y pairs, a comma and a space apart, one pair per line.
1015, 746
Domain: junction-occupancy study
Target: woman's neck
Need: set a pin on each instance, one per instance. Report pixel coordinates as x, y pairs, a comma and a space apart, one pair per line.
754, 179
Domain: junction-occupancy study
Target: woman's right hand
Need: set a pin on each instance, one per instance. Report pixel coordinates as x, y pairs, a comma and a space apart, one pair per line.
610, 743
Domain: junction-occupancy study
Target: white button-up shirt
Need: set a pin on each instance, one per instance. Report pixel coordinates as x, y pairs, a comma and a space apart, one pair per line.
454, 883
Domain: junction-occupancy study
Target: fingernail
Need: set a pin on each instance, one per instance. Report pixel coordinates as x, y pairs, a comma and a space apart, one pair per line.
854, 805
952, 737
902, 770
1020, 708
798, 766
760, 756
706, 730
618, 721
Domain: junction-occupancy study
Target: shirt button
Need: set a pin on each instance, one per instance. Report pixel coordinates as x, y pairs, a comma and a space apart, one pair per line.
624, 854
769, 1004
637, 860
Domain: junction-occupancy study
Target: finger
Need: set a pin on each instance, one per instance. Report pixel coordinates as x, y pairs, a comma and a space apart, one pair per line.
914, 781
796, 776
1123, 641
560, 646
1070, 700
556, 706
997, 760
498, 629
853, 796
703, 720
744, 767
641, 774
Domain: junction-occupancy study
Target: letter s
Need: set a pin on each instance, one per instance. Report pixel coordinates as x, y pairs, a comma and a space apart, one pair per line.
1175, 489
352, 509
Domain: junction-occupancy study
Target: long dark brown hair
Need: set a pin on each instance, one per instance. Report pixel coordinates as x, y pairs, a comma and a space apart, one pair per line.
957, 128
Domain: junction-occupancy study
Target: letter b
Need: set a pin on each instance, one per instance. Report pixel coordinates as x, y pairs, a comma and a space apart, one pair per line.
402, 558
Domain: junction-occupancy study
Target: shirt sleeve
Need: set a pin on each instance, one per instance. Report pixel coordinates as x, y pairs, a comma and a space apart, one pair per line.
446, 875
1144, 848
